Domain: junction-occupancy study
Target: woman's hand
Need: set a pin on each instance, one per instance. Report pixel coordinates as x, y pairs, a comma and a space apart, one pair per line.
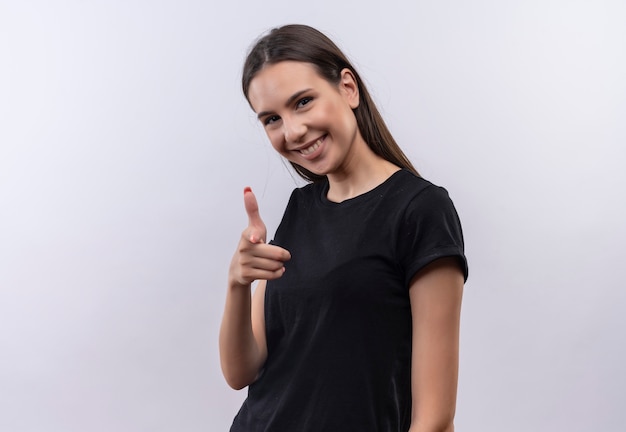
254, 259
243, 348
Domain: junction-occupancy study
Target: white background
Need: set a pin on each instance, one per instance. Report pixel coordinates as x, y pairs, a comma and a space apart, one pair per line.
125, 144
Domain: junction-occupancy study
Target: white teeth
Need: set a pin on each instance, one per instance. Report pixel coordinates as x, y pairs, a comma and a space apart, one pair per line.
311, 149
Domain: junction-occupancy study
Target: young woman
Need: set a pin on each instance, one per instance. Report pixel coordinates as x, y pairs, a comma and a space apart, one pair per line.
354, 323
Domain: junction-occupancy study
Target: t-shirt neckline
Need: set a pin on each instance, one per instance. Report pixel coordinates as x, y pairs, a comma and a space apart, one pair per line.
365, 196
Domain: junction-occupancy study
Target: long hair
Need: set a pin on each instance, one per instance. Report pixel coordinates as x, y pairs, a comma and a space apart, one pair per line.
305, 44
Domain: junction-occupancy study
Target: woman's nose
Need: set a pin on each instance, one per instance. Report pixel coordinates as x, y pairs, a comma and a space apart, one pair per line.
294, 130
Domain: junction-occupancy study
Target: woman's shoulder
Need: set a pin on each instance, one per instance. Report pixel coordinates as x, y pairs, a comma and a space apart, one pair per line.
414, 196
303, 197
309, 191
410, 185
403, 187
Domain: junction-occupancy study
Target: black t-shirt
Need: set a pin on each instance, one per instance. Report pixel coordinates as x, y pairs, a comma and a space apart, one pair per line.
338, 322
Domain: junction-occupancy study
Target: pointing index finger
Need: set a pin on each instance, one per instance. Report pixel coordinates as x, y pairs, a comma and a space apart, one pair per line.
258, 230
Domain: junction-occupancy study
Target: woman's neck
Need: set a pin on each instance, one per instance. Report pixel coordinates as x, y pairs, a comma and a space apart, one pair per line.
361, 177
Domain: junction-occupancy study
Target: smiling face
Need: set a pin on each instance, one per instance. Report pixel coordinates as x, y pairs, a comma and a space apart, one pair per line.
308, 120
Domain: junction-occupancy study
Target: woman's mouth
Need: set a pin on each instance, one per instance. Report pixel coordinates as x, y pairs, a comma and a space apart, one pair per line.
311, 149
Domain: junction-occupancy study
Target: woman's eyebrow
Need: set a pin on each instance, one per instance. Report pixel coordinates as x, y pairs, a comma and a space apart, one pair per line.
295, 96
289, 101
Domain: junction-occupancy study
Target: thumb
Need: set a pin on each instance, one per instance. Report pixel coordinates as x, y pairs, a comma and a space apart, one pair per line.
258, 230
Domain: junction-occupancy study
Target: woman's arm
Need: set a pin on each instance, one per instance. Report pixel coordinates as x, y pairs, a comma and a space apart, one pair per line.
242, 343
243, 349
435, 294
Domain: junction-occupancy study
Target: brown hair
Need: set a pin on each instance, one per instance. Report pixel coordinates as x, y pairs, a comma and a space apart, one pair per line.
305, 44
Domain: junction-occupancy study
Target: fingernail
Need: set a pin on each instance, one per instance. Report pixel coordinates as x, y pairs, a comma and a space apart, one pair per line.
247, 189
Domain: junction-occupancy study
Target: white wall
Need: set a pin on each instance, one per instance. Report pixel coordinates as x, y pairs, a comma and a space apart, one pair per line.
125, 144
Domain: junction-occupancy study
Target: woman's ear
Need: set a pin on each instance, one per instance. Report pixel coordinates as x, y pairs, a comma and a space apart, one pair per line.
349, 88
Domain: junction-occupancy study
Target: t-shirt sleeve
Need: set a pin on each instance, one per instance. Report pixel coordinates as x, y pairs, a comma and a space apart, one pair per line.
286, 219
430, 229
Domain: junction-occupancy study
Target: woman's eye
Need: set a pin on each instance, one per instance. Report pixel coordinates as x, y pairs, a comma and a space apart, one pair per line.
271, 119
302, 102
